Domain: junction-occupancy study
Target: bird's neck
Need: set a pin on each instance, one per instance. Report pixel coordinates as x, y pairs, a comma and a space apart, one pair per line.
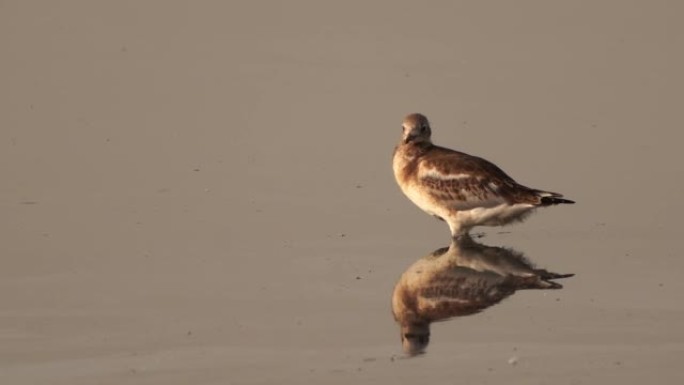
412, 149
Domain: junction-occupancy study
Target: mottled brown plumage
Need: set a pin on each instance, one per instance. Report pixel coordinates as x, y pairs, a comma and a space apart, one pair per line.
460, 280
462, 189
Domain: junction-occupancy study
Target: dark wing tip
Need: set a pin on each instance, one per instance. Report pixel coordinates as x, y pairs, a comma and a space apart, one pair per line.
548, 201
553, 285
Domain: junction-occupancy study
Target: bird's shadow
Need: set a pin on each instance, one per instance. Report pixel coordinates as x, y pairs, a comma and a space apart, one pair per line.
463, 279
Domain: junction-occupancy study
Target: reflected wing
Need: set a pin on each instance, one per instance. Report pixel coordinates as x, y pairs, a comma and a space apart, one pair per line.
462, 291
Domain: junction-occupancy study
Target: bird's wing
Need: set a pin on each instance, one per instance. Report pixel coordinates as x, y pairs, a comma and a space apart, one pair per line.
461, 291
464, 182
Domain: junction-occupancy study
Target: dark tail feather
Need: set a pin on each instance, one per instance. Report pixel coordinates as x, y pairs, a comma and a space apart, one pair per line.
548, 201
548, 275
536, 282
543, 280
552, 285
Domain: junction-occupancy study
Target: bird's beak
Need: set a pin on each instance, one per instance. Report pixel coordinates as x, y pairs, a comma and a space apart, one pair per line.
409, 138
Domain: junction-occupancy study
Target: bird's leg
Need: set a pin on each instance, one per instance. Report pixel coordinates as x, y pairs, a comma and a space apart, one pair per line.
459, 234
458, 237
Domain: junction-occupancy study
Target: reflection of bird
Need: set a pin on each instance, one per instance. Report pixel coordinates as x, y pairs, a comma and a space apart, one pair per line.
463, 190
463, 279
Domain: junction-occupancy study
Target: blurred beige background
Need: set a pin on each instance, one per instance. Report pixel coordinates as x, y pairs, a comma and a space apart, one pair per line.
201, 192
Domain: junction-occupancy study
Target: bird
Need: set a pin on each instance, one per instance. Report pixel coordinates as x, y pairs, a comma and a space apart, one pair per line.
462, 279
461, 189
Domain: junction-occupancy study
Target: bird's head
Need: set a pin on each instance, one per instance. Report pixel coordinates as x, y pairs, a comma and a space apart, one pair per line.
415, 337
415, 129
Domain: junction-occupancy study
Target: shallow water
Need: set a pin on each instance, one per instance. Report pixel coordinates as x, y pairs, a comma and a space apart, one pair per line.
203, 193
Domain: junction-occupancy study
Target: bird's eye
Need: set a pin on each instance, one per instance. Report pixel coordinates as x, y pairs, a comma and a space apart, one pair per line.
423, 128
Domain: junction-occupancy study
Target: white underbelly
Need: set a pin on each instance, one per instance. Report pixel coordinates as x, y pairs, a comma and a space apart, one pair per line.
492, 216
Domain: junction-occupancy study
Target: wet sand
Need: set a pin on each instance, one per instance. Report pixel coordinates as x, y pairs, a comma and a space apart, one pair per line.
202, 192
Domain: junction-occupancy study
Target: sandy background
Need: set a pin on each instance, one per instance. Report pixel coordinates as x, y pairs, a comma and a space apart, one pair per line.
201, 192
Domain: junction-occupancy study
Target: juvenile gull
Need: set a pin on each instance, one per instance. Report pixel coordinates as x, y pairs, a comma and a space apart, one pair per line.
463, 279
461, 189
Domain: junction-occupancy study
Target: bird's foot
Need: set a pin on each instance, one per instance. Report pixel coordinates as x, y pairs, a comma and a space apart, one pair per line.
461, 237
